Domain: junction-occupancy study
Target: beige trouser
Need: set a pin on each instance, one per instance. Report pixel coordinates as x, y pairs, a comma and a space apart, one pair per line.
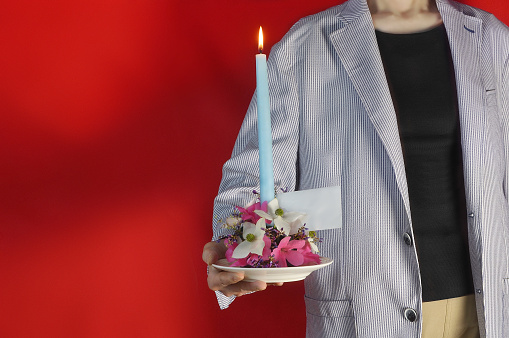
450, 318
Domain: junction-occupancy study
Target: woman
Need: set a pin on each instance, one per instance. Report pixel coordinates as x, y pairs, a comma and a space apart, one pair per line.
405, 105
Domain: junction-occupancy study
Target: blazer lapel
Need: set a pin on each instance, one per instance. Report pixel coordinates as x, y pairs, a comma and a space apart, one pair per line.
464, 33
356, 45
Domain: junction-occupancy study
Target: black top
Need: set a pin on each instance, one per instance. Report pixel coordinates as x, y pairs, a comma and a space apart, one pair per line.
420, 74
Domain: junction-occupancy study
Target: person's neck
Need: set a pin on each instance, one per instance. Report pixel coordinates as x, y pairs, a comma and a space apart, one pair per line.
404, 16
403, 8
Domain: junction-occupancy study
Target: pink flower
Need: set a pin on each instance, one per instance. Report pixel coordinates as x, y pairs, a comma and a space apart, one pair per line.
310, 258
288, 250
266, 249
296, 252
248, 213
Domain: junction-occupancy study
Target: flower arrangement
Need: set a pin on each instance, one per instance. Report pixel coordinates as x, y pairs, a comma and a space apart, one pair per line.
266, 236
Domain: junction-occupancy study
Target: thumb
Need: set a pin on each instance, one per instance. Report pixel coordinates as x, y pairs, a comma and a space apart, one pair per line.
210, 253
210, 257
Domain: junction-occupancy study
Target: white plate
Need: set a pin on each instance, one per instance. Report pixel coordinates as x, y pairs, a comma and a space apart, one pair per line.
274, 275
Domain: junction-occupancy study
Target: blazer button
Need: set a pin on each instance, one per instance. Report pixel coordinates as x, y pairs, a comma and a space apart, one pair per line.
410, 315
407, 238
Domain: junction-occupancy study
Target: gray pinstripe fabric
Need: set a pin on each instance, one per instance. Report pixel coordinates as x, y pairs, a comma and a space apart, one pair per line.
334, 124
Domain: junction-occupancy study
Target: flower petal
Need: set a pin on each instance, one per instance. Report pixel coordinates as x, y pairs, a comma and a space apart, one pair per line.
311, 259
263, 214
296, 244
242, 250
260, 225
272, 206
229, 251
252, 207
284, 242
294, 227
248, 228
313, 246
292, 216
266, 248
263, 207
239, 262
257, 247
282, 225
281, 258
294, 257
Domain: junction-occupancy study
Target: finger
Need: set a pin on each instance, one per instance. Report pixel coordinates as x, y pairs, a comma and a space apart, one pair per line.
241, 288
275, 284
210, 256
212, 252
218, 280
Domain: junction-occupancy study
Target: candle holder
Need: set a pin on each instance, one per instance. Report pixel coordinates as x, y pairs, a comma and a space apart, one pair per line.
270, 244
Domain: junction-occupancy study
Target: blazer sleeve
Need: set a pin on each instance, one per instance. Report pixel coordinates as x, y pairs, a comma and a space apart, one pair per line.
504, 107
501, 46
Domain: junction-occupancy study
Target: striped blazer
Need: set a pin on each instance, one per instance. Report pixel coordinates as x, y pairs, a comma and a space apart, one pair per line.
334, 124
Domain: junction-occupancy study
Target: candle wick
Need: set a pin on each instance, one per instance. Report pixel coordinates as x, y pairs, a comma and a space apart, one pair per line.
260, 50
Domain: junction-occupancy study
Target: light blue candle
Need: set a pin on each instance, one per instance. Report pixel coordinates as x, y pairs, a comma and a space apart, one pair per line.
264, 127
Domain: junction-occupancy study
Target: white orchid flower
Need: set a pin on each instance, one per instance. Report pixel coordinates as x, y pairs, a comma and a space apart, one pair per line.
288, 222
253, 243
314, 247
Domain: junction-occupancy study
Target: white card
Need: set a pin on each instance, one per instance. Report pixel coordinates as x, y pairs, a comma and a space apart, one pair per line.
322, 206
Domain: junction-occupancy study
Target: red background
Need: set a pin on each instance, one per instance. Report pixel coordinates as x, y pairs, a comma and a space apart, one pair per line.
116, 117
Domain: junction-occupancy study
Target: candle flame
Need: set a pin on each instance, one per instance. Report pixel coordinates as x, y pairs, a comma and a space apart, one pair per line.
260, 40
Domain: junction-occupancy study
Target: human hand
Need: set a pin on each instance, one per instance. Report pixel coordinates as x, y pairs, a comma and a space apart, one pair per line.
229, 283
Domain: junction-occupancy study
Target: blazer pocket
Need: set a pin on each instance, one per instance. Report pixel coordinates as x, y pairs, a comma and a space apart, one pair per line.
332, 318
329, 308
